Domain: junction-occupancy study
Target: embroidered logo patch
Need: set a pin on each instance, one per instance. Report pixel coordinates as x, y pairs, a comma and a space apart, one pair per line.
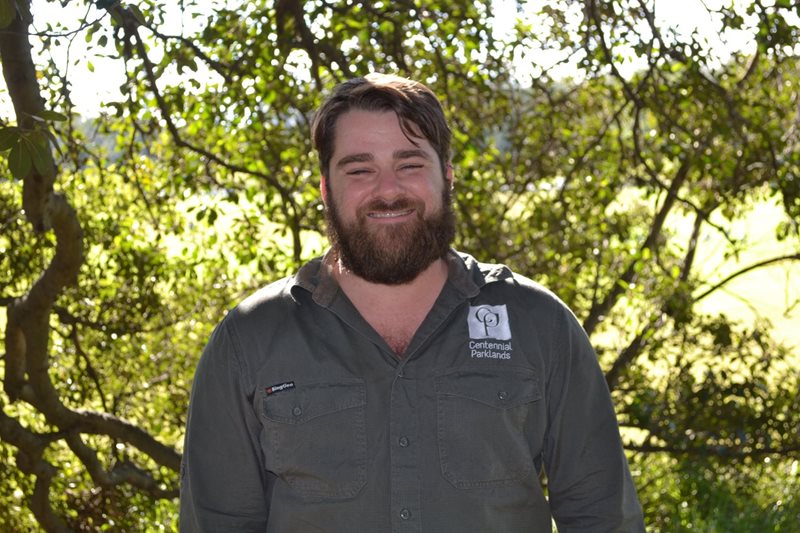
489, 322
279, 387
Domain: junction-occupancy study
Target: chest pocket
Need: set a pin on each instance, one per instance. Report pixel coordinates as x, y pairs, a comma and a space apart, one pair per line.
481, 420
315, 438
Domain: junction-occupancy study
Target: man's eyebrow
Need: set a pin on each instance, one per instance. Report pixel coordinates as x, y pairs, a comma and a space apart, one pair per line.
407, 154
354, 158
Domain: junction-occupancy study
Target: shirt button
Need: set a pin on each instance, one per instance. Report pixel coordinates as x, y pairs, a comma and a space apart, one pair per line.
503, 395
403, 442
297, 411
405, 514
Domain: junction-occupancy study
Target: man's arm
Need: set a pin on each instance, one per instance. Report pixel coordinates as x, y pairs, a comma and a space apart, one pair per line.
223, 480
589, 484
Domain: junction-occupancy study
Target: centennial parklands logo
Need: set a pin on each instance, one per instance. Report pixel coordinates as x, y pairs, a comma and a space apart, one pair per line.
489, 322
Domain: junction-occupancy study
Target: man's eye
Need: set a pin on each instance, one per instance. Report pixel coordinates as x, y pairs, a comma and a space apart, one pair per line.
411, 166
358, 172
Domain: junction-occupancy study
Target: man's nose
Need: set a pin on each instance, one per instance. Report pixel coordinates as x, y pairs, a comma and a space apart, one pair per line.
388, 184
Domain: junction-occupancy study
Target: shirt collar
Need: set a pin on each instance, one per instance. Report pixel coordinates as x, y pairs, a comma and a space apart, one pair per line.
465, 275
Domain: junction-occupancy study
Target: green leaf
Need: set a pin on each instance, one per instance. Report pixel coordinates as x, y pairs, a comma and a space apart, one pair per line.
8, 137
37, 138
53, 116
41, 162
19, 161
37, 144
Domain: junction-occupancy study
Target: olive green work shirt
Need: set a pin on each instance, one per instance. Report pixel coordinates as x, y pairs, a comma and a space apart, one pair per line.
302, 419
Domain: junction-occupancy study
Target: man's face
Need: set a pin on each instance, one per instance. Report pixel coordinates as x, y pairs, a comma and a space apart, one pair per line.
388, 204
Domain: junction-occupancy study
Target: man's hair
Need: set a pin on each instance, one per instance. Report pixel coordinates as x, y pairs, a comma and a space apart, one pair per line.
415, 105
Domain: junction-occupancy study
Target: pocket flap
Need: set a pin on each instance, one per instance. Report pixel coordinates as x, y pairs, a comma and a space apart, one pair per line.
311, 400
499, 388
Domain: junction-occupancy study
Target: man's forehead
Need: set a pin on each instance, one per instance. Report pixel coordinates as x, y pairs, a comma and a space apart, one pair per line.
375, 117
359, 132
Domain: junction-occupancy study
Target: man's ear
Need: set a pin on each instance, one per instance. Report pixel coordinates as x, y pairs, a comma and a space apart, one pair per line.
449, 176
323, 189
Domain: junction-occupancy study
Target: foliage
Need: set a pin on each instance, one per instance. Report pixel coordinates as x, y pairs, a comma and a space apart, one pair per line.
706, 494
124, 237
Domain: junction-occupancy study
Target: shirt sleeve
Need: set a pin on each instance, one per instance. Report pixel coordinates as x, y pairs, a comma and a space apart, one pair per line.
589, 483
223, 480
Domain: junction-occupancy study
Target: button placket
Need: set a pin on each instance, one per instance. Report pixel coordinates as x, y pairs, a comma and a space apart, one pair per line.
405, 478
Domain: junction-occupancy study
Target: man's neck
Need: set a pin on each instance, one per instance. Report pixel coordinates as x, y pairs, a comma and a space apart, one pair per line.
394, 311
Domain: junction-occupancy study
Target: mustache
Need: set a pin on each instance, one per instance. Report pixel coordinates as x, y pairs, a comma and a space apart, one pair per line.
398, 204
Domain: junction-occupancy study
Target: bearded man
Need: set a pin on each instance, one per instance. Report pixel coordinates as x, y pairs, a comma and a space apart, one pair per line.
396, 384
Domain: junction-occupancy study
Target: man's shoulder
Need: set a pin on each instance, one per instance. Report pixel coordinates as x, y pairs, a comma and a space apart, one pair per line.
497, 276
262, 306
522, 295
281, 294
274, 294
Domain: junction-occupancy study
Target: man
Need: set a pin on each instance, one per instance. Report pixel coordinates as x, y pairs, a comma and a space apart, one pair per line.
394, 384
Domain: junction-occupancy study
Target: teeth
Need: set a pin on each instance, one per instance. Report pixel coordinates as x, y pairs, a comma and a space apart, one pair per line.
391, 214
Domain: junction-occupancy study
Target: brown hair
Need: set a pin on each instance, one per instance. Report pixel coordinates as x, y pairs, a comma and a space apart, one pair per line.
415, 105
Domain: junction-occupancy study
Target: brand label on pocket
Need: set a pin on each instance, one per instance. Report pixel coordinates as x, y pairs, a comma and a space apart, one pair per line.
279, 387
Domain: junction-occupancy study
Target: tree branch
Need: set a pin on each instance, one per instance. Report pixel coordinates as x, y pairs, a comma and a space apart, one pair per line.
130, 26
601, 308
23, 89
745, 270
27, 373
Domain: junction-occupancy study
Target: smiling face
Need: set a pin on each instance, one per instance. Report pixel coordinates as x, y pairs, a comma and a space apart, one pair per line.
388, 204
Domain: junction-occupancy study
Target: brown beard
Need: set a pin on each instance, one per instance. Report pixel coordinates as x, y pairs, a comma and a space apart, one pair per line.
393, 254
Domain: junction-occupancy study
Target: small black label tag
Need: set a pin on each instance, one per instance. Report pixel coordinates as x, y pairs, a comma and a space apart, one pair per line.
280, 387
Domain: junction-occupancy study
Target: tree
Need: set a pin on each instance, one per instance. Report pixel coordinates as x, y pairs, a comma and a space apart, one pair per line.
124, 238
